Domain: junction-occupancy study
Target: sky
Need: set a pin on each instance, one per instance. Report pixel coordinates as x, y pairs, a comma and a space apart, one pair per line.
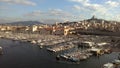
51, 11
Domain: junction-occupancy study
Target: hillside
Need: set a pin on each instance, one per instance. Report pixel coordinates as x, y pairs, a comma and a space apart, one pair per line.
23, 23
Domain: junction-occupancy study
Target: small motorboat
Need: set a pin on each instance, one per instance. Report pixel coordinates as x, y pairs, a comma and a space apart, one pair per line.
116, 62
108, 65
1, 52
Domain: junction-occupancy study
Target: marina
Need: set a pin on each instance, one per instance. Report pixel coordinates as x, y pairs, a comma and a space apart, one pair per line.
58, 49
23, 55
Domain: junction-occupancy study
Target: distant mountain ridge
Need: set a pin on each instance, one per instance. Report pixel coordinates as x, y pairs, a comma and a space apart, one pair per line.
30, 23
24, 23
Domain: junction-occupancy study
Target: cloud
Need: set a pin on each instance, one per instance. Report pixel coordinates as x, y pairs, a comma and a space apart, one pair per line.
34, 13
21, 2
112, 3
91, 8
3, 7
48, 16
80, 1
77, 7
59, 12
55, 13
86, 4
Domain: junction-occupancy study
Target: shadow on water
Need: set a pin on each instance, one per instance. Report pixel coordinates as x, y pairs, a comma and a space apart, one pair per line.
25, 55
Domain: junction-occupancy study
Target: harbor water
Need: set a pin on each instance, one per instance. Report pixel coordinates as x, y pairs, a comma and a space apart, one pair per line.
18, 54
